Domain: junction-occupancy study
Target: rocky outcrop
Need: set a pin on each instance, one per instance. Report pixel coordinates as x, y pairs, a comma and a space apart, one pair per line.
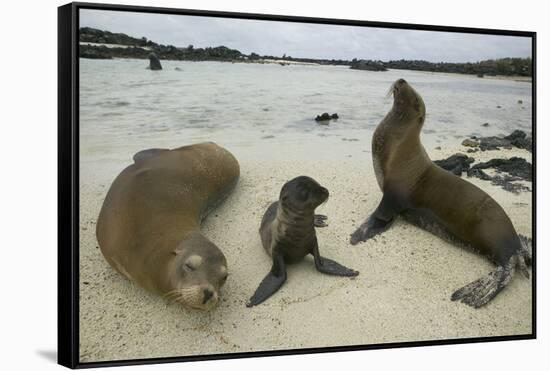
325, 117
518, 139
456, 164
509, 171
470, 143
101, 52
93, 35
154, 62
503, 66
367, 65
515, 166
521, 139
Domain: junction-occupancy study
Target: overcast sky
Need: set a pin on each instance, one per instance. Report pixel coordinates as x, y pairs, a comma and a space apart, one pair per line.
308, 40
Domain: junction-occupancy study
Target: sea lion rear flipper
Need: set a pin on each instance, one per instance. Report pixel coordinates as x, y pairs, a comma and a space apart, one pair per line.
481, 291
377, 222
328, 266
147, 153
526, 249
271, 283
320, 220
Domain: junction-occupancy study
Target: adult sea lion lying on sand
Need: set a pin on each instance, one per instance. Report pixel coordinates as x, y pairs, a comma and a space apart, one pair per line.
149, 226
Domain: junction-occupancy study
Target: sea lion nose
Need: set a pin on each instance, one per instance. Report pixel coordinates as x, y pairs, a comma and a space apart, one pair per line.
207, 295
401, 81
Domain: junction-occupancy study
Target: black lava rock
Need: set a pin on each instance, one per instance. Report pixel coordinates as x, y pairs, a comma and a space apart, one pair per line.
367, 65
456, 164
326, 117
154, 62
518, 139
515, 166
98, 52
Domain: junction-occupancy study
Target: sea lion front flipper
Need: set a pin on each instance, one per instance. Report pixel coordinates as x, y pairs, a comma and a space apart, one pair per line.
320, 220
481, 291
370, 228
328, 266
271, 283
147, 153
377, 222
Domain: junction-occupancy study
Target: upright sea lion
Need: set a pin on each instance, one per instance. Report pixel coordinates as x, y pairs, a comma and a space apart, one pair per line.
149, 226
288, 234
436, 200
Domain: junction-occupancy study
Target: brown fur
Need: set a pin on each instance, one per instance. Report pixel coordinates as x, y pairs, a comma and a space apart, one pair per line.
463, 209
437, 200
149, 226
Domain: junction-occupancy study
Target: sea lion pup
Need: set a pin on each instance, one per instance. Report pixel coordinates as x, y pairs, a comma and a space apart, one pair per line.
149, 226
436, 200
288, 234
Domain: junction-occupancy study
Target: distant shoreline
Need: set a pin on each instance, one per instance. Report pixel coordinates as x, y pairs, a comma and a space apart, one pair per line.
284, 62
100, 44
517, 78
112, 46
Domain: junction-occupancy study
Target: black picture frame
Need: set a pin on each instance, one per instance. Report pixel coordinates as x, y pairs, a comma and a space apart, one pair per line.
68, 182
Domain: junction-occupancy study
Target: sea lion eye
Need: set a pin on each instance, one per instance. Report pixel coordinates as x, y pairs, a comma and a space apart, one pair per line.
224, 278
193, 262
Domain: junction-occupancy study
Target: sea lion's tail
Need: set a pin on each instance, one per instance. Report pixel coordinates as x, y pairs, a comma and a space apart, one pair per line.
481, 291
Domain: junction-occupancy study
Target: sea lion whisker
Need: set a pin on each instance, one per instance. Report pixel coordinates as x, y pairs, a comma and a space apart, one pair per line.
171, 293
174, 298
183, 303
170, 302
180, 300
391, 90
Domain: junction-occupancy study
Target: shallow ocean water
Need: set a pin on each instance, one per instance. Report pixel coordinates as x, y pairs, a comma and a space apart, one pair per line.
124, 104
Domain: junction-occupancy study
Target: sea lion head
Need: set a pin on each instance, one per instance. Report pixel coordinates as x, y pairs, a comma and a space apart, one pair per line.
407, 103
198, 272
302, 194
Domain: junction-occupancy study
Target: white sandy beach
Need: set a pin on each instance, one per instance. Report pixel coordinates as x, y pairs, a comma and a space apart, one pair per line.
401, 294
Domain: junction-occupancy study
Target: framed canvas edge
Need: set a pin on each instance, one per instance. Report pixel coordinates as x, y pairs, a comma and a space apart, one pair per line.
286, 352
534, 184
67, 232
68, 184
